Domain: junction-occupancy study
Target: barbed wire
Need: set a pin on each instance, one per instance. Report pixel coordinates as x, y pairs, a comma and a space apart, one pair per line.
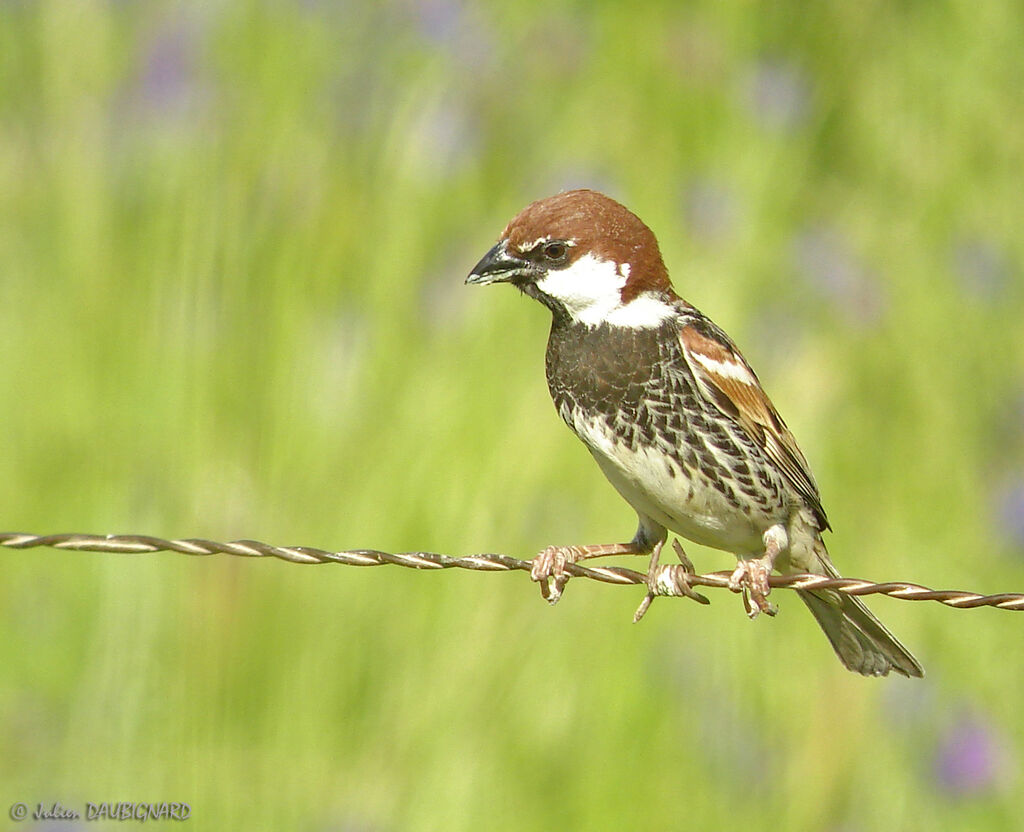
673, 580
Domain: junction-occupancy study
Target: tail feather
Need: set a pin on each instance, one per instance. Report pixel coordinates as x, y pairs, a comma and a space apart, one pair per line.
861, 641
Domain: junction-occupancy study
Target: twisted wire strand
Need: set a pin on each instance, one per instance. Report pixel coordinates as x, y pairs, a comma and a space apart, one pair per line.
489, 562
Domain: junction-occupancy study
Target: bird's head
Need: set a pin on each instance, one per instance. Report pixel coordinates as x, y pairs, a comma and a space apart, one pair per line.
584, 256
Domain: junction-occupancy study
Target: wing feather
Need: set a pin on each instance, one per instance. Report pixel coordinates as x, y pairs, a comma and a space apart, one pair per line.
726, 381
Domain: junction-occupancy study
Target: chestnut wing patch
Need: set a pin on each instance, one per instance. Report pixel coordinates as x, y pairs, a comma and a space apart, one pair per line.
725, 379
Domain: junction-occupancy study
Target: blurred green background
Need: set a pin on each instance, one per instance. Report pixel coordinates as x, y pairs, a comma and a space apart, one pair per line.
232, 244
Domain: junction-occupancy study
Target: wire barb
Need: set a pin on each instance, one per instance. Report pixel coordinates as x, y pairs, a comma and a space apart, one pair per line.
139, 544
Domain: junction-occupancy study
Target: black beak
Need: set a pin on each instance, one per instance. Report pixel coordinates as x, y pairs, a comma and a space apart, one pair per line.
498, 266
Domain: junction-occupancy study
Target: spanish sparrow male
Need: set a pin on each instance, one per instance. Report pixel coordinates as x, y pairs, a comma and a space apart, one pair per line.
673, 414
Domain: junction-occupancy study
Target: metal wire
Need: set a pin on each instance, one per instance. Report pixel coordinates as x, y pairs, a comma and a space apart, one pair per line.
678, 581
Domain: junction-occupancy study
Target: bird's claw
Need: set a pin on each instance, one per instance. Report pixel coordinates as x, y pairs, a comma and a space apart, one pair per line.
751, 578
549, 571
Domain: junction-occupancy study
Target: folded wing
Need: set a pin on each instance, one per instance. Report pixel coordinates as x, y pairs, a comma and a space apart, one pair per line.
726, 381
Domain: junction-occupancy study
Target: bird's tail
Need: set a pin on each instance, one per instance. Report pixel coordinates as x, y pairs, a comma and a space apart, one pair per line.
860, 640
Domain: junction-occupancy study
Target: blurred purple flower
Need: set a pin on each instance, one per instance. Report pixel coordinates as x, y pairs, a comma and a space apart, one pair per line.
456, 28
823, 258
710, 209
167, 77
1009, 500
166, 97
968, 758
983, 268
441, 21
778, 94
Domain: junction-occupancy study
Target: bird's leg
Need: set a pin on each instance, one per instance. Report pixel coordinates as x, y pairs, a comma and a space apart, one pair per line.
652, 582
668, 579
549, 566
751, 575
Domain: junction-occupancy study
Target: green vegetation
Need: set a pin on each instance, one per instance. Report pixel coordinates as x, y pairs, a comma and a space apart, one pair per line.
232, 244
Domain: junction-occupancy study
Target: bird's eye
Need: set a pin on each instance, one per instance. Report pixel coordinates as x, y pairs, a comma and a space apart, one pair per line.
555, 252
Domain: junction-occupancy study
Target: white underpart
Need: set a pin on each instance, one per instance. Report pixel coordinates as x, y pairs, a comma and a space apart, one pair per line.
725, 369
591, 292
690, 507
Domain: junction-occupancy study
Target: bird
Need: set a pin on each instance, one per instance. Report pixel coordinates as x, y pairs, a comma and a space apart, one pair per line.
674, 416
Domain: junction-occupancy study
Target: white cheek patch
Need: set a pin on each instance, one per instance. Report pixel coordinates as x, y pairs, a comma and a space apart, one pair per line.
591, 292
589, 289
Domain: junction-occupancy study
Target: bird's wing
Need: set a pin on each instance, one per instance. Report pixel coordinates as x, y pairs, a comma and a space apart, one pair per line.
726, 381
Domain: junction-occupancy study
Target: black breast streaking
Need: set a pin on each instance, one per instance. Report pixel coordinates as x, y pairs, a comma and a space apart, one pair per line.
619, 373
637, 381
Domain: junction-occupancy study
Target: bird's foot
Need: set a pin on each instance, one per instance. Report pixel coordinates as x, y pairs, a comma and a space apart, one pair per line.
751, 579
751, 574
672, 580
550, 567
549, 570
